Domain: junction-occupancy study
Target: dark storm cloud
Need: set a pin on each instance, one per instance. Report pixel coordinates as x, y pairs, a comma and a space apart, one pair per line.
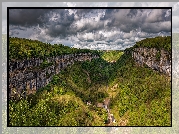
83, 12
60, 25
57, 22
27, 17
125, 19
90, 40
157, 27
63, 23
130, 19
91, 28
133, 13
157, 15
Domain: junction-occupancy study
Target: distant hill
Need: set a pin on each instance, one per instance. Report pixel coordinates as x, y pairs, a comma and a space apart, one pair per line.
112, 55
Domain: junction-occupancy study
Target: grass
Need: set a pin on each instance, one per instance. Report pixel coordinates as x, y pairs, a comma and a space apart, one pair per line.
112, 55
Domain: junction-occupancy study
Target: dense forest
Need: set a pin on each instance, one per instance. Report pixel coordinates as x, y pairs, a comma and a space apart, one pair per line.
21, 48
138, 95
157, 42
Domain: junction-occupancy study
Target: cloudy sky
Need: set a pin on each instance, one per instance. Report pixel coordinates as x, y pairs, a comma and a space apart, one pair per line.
91, 28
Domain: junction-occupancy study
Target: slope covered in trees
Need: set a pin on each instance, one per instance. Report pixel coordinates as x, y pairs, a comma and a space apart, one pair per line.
25, 48
139, 96
157, 42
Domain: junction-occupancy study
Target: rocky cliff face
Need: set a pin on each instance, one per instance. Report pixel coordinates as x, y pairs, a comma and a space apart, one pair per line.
27, 76
159, 60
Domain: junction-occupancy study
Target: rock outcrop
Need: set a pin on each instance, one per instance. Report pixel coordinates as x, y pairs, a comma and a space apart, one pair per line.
27, 76
159, 60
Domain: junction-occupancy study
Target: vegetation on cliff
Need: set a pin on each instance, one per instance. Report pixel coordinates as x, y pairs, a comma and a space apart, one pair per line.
157, 42
26, 48
144, 96
139, 96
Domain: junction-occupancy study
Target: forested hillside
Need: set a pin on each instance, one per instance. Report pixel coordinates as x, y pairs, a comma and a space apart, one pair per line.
157, 42
26, 48
139, 96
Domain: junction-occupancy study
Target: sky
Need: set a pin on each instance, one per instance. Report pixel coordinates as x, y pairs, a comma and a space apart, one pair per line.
104, 29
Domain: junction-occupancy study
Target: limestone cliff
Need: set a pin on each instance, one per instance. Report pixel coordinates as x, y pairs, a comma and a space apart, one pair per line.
157, 59
27, 76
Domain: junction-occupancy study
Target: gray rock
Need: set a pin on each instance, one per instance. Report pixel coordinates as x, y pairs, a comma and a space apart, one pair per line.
150, 57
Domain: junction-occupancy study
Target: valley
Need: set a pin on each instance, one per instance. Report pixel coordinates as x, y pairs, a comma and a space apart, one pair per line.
137, 94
